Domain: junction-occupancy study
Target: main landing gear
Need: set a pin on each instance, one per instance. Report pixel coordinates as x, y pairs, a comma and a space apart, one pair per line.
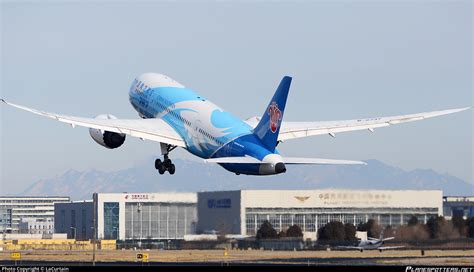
166, 164
163, 166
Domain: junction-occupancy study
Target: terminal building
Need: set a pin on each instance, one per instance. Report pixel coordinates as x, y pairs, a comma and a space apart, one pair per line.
36, 226
129, 216
458, 206
243, 212
35, 211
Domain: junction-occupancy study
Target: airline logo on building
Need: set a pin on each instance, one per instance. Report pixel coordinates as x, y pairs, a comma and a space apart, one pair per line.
136, 197
302, 198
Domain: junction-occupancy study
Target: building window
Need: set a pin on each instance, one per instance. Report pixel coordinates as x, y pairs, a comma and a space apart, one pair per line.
159, 220
73, 218
111, 220
72, 229
84, 223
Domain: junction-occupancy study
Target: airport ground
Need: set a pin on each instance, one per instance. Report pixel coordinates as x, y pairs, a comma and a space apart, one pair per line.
243, 257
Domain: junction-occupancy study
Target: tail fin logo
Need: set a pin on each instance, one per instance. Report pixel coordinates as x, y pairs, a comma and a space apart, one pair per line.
275, 116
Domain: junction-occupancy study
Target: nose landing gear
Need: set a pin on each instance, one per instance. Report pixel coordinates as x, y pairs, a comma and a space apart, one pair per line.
166, 164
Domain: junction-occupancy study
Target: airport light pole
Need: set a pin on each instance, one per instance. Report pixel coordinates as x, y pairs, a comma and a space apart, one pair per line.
3, 234
94, 214
139, 209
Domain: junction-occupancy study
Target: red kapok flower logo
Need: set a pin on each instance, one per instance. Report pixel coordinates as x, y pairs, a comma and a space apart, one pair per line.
275, 116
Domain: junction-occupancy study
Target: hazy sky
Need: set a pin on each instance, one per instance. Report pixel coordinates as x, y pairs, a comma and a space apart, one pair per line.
348, 59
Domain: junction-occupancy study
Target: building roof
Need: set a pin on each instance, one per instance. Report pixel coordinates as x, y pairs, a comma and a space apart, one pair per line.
333, 198
171, 197
9, 197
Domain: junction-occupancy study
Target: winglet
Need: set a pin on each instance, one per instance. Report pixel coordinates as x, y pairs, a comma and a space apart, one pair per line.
466, 108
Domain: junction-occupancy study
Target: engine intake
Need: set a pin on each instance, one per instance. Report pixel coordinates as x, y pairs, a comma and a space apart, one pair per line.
107, 139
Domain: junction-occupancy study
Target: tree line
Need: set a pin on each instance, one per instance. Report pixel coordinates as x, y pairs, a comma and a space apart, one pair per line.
436, 227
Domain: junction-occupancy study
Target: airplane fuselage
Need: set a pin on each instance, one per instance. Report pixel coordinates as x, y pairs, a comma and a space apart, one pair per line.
370, 244
207, 130
177, 116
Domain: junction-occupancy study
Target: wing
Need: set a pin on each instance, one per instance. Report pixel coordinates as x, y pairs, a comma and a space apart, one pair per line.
293, 130
349, 247
390, 247
150, 129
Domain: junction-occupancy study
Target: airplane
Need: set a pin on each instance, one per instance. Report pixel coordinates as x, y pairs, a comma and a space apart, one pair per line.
176, 116
372, 243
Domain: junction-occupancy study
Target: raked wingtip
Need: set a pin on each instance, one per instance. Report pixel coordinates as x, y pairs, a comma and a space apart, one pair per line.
463, 109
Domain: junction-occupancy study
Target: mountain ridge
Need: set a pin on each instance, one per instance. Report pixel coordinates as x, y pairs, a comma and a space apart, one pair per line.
192, 176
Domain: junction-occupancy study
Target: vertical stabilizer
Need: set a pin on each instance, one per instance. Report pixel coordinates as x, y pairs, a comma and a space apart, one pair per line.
268, 128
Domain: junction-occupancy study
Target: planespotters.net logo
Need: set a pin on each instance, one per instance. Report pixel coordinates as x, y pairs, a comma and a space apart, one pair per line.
275, 116
439, 269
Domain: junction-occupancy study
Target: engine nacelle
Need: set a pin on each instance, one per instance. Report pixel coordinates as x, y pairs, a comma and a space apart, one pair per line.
106, 138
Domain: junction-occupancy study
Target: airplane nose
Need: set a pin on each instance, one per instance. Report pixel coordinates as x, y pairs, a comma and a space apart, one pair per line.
280, 168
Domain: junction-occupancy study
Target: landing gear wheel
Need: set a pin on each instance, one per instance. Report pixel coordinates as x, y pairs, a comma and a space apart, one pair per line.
160, 166
167, 163
171, 169
157, 164
162, 169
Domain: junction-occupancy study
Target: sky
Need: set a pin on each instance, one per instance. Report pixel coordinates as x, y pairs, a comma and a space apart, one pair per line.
348, 59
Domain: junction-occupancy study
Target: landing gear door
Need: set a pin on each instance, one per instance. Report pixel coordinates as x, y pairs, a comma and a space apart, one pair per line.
164, 149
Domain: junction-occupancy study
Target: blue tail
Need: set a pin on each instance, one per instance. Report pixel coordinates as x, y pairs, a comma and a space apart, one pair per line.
268, 128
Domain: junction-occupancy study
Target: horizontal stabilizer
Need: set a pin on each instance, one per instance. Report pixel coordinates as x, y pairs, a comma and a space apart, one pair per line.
290, 160
246, 159
286, 160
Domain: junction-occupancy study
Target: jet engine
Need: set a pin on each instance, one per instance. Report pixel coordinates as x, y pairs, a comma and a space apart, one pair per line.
106, 138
